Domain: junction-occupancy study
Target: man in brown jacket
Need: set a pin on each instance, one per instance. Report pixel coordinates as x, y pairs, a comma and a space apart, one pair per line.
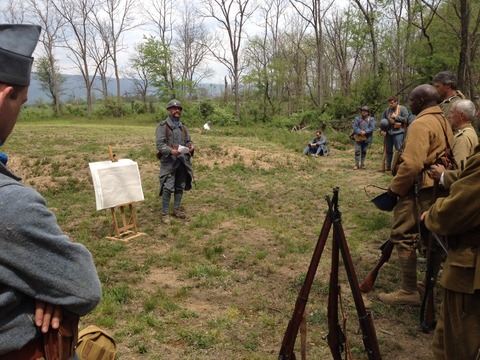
426, 138
457, 334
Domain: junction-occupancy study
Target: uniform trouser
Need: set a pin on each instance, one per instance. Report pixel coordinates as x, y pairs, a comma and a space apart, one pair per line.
405, 231
457, 334
174, 183
361, 152
406, 214
391, 141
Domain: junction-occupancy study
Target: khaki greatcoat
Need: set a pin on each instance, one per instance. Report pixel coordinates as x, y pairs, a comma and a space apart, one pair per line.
457, 335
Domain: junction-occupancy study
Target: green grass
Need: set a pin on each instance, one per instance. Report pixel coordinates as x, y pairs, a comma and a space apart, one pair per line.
223, 284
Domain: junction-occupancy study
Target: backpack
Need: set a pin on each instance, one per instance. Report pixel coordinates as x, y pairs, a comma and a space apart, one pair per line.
95, 344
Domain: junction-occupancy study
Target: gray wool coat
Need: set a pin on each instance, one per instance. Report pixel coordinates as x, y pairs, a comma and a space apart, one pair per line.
37, 261
167, 137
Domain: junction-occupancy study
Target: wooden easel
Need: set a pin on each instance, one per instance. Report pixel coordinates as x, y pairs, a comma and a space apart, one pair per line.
128, 230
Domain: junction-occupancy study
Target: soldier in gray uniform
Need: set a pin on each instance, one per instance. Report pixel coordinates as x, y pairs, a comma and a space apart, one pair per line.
175, 149
42, 272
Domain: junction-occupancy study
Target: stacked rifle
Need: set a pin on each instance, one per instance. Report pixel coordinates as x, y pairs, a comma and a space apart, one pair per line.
336, 338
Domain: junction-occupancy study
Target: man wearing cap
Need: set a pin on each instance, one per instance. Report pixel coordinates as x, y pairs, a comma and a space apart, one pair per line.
44, 277
175, 149
363, 128
397, 117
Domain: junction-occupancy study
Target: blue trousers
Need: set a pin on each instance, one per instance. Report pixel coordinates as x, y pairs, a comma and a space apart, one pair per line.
360, 152
394, 140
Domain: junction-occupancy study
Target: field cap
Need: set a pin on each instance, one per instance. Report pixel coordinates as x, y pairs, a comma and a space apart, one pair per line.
17, 43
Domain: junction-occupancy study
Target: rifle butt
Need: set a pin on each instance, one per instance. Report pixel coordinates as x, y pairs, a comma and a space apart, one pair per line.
369, 281
428, 322
367, 284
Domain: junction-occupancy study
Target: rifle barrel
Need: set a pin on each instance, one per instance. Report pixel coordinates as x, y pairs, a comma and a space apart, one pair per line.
370, 341
288, 343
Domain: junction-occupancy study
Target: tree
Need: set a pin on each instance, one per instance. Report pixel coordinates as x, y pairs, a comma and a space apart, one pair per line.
160, 13
138, 73
397, 42
421, 19
262, 58
190, 50
346, 41
231, 16
43, 13
313, 12
98, 50
77, 38
120, 19
13, 12
370, 16
153, 56
465, 14
50, 80
291, 69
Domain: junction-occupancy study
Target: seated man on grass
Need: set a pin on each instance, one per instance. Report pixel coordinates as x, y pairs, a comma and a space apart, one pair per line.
318, 146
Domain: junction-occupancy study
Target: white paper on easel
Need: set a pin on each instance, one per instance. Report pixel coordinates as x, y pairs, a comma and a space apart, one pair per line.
116, 183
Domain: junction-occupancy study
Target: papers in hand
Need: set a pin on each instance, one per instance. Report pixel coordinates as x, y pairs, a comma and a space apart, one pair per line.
183, 149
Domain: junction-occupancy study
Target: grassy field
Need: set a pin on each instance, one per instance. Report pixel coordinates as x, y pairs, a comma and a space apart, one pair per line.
223, 283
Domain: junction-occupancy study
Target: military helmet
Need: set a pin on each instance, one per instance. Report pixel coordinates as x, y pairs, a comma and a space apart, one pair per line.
384, 124
174, 103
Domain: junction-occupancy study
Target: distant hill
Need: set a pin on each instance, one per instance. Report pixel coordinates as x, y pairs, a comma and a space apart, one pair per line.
74, 89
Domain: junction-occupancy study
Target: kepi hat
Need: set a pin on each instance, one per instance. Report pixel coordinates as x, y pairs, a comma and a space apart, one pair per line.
17, 43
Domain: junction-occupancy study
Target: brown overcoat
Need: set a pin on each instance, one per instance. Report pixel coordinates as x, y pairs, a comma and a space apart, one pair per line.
425, 140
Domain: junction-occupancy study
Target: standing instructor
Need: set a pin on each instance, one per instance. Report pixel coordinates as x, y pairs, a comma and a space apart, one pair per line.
175, 149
